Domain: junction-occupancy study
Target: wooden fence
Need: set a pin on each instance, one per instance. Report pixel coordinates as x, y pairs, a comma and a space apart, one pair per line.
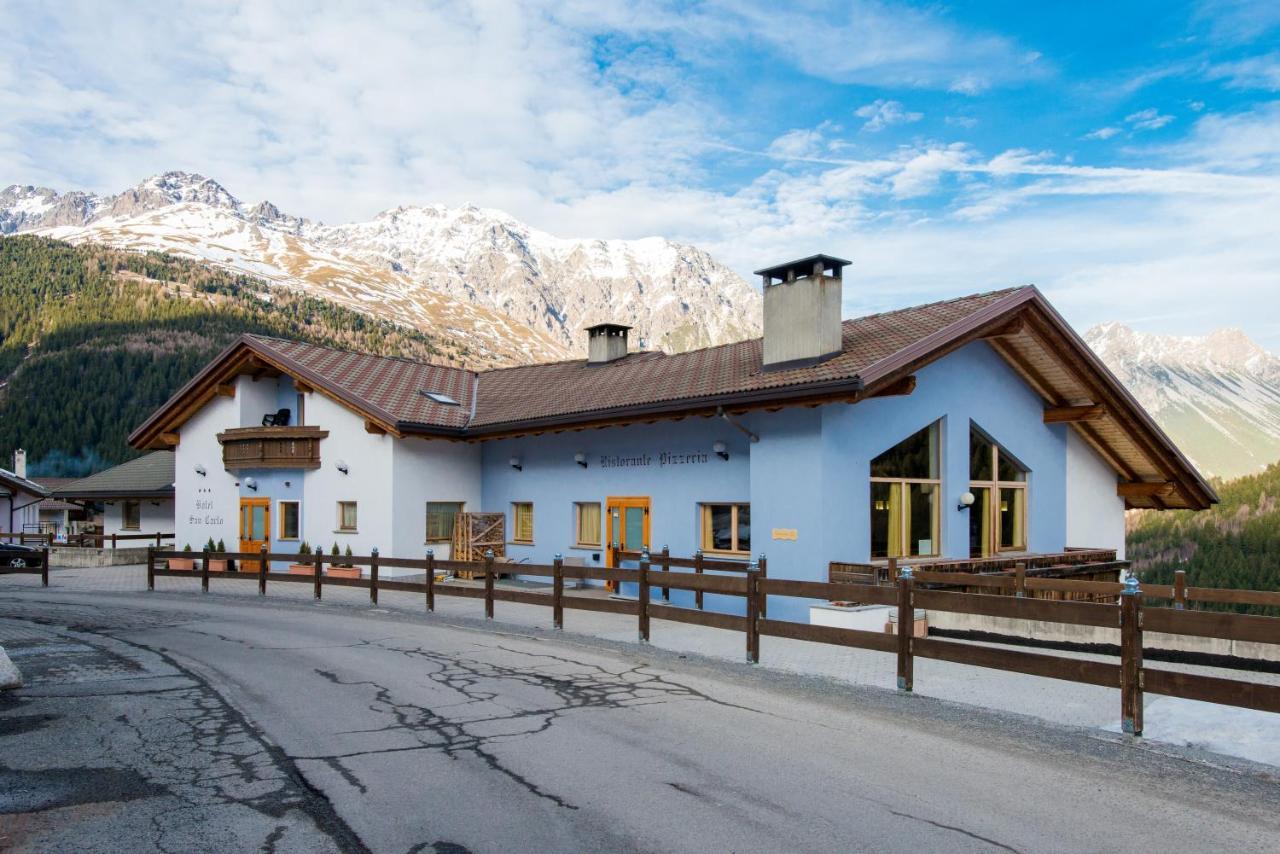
100, 541
1128, 614
40, 567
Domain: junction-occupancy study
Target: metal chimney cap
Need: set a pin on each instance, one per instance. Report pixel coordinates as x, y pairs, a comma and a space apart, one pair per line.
802, 267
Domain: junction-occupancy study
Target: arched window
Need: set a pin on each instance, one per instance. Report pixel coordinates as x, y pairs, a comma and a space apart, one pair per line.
905, 484
998, 517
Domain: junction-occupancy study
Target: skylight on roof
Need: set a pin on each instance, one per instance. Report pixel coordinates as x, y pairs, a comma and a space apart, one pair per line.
438, 397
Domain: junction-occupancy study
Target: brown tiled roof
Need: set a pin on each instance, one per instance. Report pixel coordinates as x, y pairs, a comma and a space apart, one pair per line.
52, 483
513, 395
388, 386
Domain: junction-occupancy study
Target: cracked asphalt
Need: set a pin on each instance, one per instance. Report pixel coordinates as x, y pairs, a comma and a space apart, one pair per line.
167, 722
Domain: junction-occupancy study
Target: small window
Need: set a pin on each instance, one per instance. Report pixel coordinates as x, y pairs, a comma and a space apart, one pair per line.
441, 516
131, 515
522, 522
726, 528
347, 516
289, 518
998, 517
440, 398
587, 523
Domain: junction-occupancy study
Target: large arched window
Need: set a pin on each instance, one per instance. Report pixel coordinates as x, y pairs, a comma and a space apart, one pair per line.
998, 517
905, 484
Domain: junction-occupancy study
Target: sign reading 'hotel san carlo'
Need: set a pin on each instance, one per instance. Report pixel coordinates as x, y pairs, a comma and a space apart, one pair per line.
200, 515
666, 458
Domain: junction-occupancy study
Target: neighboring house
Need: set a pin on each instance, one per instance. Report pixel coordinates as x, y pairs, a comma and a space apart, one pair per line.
137, 496
58, 516
20, 498
977, 426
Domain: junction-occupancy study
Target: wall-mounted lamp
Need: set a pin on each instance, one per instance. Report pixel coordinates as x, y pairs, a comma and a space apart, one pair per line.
515, 464
721, 449
966, 501
250, 483
342, 467
200, 470
580, 458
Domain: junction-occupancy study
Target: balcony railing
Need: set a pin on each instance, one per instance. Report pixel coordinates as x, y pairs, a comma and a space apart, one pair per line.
271, 447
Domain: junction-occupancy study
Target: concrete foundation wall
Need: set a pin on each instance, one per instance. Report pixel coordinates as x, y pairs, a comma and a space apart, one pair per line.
71, 556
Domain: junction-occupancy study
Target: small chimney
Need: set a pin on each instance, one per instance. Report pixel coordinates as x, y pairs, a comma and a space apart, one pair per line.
802, 311
606, 342
20, 463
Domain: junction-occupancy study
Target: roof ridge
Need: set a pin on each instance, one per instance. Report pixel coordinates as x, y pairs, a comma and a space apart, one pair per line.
332, 349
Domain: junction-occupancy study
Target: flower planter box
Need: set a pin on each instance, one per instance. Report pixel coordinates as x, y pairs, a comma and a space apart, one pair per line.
302, 569
343, 571
182, 563
218, 565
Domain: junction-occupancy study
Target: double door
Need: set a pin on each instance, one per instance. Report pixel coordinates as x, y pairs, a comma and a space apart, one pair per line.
255, 528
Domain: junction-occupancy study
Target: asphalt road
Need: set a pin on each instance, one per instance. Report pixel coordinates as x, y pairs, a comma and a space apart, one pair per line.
167, 722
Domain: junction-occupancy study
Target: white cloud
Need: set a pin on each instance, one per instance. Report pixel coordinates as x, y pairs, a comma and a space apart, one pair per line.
882, 113
1103, 133
1256, 72
1148, 119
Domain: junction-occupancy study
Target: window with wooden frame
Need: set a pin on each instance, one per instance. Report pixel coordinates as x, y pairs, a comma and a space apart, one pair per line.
905, 485
522, 522
441, 516
290, 519
586, 524
725, 528
347, 517
998, 517
131, 515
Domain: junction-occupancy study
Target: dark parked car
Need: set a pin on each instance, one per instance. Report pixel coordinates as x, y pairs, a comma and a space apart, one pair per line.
16, 556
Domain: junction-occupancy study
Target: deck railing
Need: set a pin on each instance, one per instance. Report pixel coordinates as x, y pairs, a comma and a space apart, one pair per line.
1129, 614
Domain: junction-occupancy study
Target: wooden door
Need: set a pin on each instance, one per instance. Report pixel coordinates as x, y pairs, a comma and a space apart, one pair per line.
255, 529
628, 519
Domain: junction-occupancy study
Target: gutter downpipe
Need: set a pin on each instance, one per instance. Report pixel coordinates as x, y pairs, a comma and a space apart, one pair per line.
733, 422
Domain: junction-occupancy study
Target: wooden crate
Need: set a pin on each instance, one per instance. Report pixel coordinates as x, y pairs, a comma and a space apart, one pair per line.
474, 533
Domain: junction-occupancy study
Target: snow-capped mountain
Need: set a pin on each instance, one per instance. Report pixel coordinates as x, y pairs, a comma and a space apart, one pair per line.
513, 292
1217, 396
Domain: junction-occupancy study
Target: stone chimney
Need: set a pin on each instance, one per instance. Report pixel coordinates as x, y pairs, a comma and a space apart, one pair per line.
606, 342
802, 311
20, 463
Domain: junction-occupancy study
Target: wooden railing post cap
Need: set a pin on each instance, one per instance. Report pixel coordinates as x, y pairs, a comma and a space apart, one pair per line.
905, 573
558, 556
644, 553
1130, 586
488, 553
374, 551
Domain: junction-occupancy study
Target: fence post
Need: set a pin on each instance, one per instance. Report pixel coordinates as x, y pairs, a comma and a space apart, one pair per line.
906, 625
317, 582
697, 570
1131, 657
666, 567
488, 584
373, 576
753, 613
431, 580
44, 567
893, 569
151, 569
642, 596
1020, 579
262, 570
1180, 589
113, 540
204, 570
158, 539
764, 599
557, 592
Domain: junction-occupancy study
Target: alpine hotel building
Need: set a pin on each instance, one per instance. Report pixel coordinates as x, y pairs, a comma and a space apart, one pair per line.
973, 427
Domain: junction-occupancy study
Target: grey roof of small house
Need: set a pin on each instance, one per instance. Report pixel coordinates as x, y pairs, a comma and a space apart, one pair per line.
149, 476
10, 483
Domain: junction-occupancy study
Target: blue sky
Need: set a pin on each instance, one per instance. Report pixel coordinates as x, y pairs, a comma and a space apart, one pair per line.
1124, 157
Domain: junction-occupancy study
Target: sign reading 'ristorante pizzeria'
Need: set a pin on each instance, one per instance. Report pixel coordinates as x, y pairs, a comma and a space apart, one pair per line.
666, 458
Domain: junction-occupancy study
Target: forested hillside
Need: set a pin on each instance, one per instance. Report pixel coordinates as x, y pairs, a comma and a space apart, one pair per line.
1236, 544
93, 339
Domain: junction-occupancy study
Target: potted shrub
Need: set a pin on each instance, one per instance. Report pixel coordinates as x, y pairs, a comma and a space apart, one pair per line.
302, 568
342, 570
216, 565
186, 563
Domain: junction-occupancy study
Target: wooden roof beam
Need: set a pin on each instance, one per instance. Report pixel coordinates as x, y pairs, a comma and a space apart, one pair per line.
375, 429
898, 388
1145, 488
1014, 327
1074, 414
170, 439
225, 389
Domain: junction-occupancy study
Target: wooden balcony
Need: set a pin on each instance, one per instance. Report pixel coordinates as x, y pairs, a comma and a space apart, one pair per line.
271, 447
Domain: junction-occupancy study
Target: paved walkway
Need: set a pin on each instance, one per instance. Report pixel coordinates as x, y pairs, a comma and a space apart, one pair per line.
1220, 729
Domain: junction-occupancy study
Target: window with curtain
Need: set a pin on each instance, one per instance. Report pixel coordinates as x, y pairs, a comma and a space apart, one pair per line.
441, 516
998, 517
347, 516
522, 522
587, 523
905, 484
726, 528
131, 515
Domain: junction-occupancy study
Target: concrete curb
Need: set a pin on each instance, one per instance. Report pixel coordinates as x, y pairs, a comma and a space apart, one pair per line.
10, 676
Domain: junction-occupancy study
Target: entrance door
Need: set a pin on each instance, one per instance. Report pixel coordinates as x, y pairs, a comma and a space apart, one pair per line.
628, 526
255, 528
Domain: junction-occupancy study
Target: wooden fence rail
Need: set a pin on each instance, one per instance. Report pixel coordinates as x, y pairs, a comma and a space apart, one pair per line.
907, 593
40, 567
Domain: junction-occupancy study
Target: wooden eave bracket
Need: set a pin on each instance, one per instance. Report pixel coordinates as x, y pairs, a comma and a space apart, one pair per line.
1145, 488
1074, 414
170, 440
898, 388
